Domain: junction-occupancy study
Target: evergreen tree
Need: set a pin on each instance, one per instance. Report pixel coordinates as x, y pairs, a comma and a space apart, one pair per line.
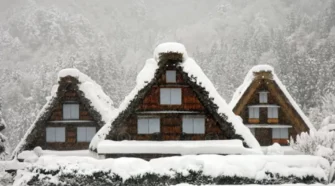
3, 139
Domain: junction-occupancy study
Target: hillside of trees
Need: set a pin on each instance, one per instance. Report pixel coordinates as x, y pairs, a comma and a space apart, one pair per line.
110, 41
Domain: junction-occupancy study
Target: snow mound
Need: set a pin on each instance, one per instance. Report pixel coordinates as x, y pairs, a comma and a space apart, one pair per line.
274, 149
249, 79
253, 167
174, 147
170, 47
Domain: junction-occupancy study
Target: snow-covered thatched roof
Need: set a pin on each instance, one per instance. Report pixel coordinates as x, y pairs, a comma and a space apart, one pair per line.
101, 106
147, 76
241, 90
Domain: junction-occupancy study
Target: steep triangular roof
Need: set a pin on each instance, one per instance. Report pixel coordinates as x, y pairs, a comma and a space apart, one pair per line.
99, 105
247, 88
195, 77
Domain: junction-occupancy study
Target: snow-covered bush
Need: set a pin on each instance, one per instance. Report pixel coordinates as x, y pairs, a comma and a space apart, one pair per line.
319, 143
274, 149
192, 169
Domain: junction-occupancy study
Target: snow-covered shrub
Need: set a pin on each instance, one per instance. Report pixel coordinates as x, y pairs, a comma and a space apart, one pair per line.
6, 179
319, 143
192, 169
274, 149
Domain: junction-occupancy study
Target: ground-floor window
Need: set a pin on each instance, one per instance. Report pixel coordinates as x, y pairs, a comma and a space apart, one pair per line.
55, 134
85, 134
194, 124
148, 125
280, 133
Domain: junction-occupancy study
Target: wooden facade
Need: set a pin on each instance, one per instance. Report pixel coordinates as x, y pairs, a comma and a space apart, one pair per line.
288, 119
170, 115
171, 120
68, 92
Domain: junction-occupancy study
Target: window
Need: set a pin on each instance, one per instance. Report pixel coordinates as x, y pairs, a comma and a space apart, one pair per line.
252, 130
281, 133
254, 112
272, 112
148, 125
55, 134
170, 76
263, 97
70, 111
193, 125
85, 134
170, 96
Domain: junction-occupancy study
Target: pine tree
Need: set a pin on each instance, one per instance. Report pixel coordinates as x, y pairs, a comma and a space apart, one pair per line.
3, 149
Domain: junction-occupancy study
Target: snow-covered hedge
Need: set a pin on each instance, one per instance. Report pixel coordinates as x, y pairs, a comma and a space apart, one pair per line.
320, 143
202, 169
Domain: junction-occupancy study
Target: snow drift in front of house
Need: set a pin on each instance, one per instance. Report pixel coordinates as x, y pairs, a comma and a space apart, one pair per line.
92, 91
249, 79
174, 147
254, 166
192, 68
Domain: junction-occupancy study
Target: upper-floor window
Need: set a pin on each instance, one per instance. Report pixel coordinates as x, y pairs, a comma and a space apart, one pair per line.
193, 125
170, 76
280, 133
263, 97
148, 125
272, 112
70, 111
55, 134
254, 112
170, 96
85, 134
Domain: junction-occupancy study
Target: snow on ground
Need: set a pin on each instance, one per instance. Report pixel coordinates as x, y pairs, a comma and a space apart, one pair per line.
33, 154
195, 73
250, 77
296, 184
175, 147
251, 166
287, 150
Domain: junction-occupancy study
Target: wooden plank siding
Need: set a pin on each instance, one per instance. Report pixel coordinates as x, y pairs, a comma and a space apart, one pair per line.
170, 123
56, 120
286, 113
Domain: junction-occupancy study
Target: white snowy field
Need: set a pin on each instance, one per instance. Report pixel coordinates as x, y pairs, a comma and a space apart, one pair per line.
298, 184
254, 167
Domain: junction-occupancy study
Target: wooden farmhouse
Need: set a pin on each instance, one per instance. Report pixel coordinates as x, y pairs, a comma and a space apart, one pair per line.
76, 109
172, 102
267, 108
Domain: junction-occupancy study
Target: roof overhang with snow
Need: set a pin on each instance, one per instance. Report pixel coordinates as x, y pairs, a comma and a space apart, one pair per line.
250, 84
195, 77
99, 104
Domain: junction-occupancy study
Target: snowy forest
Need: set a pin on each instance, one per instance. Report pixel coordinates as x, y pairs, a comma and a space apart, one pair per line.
110, 41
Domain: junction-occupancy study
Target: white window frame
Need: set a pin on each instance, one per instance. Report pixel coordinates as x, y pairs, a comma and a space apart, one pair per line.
170, 96
88, 133
253, 112
171, 76
68, 107
273, 112
263, 97
280, 133
55, 134
192, 122
148, 125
